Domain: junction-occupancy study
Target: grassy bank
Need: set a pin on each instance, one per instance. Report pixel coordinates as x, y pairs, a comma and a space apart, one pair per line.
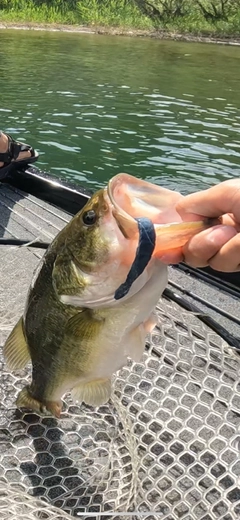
214, 19
112, 13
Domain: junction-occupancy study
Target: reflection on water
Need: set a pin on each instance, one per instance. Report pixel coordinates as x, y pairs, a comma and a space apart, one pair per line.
95, 106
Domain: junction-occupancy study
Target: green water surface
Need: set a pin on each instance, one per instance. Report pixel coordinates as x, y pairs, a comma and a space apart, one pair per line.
94, 106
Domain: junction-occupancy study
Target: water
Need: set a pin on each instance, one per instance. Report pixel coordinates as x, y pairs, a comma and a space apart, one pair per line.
94, 106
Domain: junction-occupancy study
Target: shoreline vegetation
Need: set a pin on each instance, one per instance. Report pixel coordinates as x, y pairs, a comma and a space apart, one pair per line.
215, 21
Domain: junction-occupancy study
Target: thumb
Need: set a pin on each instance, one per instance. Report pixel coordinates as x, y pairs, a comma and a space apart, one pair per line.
213, 202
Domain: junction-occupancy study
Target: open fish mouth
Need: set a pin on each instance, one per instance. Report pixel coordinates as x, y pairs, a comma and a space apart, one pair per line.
146, 212
134, 199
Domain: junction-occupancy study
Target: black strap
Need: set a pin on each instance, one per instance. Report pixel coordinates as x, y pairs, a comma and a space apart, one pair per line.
14, 149
146, 244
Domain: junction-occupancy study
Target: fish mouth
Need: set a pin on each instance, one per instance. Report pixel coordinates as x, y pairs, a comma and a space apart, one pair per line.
133, 199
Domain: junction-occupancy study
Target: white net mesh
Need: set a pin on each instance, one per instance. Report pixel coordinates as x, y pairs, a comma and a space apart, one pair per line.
166, 446
15, 504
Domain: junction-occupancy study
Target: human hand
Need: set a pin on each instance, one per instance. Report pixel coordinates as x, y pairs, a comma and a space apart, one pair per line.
218, 246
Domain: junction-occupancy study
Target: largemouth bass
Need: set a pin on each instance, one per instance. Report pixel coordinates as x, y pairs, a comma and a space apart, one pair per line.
87, 309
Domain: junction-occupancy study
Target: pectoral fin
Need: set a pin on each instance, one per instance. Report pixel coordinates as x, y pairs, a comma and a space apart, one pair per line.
137, 338
94, 393
136, 343
150, 323
15, 350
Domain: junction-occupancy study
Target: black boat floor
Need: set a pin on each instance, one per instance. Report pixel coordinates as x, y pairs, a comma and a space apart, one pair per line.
166, 445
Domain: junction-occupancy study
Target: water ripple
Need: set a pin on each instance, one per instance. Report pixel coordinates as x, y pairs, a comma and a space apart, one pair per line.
124, 105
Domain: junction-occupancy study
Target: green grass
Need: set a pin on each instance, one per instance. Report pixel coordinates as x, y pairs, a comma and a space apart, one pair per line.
123, 14
115, 13
40, 15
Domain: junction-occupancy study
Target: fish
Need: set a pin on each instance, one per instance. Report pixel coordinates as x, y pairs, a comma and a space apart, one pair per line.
91, 302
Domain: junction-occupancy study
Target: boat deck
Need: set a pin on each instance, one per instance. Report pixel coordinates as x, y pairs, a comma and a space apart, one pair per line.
167, 444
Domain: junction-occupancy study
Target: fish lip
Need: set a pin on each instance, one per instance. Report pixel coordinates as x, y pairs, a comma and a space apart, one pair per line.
125, 222
110, 189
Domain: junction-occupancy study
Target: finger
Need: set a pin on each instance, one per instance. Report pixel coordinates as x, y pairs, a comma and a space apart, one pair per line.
229, 220
205, 245
228, 258
214, 202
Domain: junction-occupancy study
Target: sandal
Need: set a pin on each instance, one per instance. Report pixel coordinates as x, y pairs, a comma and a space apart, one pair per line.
10, 157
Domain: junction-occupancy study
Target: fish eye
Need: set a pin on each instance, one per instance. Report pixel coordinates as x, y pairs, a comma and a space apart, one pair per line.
89, 217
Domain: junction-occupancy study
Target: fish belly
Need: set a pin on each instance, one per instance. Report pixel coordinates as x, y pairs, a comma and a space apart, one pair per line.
126, 326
